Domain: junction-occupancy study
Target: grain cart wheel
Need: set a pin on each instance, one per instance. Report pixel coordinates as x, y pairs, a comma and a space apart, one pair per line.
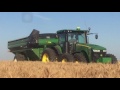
19, 57
67, 58
80, 57
114, 59
49, 55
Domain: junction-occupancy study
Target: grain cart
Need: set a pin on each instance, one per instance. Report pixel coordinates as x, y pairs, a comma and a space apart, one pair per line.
63, 46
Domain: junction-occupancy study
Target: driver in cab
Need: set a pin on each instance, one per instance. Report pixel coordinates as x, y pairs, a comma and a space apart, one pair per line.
72, 39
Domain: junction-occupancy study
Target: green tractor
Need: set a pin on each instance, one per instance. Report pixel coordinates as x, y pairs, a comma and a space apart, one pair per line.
64, 46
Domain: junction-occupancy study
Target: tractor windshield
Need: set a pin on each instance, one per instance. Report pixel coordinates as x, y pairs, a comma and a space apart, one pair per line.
78, 37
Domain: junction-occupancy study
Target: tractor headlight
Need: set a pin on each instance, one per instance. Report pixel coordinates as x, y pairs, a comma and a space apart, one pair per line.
96, 50
104, 50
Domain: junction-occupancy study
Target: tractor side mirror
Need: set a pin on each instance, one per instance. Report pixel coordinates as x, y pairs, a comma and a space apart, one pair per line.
96, 36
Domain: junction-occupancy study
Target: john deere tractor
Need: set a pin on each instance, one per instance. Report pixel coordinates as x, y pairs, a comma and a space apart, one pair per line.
63, 46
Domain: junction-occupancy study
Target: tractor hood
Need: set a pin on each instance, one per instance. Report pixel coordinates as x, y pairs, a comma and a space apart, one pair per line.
92, 46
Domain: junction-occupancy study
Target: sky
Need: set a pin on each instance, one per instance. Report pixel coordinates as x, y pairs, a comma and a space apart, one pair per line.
15, 25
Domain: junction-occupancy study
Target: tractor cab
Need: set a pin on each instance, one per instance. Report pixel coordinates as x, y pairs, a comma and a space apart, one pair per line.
78, 36
68, 38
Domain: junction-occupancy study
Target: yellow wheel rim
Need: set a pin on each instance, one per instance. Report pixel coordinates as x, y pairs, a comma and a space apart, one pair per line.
64, 60
76, 61
45, 58
15, 60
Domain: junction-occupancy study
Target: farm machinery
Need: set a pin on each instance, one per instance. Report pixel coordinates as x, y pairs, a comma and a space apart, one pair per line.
68, 45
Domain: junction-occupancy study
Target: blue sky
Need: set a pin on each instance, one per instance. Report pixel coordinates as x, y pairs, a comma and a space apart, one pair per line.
14, 25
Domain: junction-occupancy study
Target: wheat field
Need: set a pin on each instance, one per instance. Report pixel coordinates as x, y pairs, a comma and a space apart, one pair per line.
37, 69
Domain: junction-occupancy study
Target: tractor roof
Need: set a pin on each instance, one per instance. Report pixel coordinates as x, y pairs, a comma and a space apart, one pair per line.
70, 30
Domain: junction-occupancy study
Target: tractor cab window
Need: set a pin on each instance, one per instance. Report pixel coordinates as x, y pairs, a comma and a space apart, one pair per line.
72, 37
81, 38
61, 38
77, 37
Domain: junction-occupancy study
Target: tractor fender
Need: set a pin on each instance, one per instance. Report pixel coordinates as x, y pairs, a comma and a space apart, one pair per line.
57, 49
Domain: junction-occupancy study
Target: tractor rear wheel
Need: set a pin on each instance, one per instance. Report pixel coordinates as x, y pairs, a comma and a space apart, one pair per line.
114, 59
67, 58
80, 57
49, 55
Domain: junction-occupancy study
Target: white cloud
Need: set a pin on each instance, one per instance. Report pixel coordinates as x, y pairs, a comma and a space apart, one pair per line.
36, 14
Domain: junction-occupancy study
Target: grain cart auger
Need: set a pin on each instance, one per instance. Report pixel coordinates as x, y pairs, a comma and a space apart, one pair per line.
68, 45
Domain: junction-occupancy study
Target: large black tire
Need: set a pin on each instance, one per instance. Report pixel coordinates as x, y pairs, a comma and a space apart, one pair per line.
67, 57
19, 57
49, 55
114, 59
80, 57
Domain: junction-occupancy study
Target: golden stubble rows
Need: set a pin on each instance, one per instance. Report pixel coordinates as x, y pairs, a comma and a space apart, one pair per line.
36, 69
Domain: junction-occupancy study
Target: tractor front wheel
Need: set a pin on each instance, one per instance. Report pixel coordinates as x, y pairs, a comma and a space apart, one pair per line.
80, 57
114, 59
